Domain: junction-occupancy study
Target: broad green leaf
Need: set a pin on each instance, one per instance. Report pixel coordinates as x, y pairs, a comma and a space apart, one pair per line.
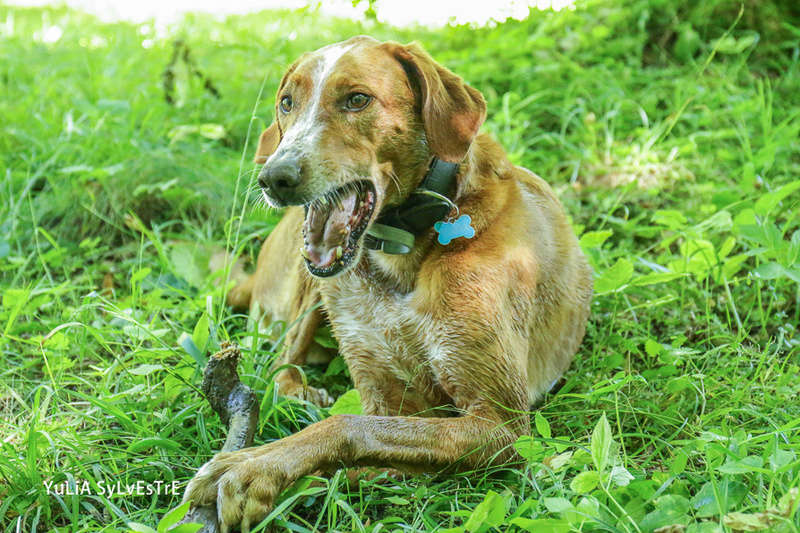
769, 270
670, 509
541, 525
529, 448
200, 333
699, 255
593, 239
778, 457
336, 366
709, 502
669, 218
526, 508
186, 342
140, 528
588, 508
615, 277
139, 275
585, 482
558, 505
489, 513
557, 461
187, 261
751, 463
769, 201
793, 273
733, 264
727, 247
655, 278
145, 369
348, 403
173, 517
620, 476
652, 348
746, 217
719, 221
189, 527
678, 464
601, 444
542, 425
704, 527
153, 442
324, 337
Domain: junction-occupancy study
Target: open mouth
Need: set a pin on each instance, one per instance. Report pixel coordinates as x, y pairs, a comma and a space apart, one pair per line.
334, 223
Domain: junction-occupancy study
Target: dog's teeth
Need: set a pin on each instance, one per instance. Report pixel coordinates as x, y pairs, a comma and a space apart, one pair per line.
304, 253
339, 252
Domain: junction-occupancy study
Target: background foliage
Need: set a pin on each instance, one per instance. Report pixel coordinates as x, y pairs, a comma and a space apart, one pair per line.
668, 128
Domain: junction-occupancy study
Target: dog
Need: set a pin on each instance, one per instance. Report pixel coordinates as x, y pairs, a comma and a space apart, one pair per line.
373, 144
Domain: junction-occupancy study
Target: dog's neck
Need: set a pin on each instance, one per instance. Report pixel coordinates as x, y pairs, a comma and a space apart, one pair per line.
399, 272
397, 227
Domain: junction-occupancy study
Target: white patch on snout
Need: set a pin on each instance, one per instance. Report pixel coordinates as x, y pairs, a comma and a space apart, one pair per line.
304, 133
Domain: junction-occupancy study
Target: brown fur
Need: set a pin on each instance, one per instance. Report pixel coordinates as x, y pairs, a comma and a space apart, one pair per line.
448, 345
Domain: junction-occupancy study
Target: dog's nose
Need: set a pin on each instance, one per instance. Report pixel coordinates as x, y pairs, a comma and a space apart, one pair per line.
281, 176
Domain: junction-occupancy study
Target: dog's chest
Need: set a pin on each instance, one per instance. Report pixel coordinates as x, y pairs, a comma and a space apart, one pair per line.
381, 334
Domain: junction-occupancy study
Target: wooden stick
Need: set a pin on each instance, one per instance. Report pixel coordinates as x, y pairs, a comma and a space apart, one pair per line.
237, 406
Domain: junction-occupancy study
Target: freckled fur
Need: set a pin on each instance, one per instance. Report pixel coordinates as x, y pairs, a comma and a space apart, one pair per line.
448, 345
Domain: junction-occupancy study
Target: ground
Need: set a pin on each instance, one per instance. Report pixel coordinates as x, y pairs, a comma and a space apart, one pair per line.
668, 129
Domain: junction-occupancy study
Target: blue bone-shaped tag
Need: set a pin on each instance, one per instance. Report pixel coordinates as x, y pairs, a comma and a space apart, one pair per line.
452, 230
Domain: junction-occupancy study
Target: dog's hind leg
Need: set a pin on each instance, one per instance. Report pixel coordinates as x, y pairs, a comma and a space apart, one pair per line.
300, 348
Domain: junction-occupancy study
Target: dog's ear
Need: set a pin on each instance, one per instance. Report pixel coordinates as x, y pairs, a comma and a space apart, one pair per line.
452, 111
267, 143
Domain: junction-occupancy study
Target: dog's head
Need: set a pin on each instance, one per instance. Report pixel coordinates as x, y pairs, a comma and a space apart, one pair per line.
356, 125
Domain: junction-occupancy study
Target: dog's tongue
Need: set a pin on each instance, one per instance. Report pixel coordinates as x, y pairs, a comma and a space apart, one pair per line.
327, 227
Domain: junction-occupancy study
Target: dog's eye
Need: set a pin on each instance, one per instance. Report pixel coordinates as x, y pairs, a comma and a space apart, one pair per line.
286, 104
357, 101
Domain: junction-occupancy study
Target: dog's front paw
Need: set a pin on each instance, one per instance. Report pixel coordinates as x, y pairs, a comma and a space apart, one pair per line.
242, 485
202, 488
318, 396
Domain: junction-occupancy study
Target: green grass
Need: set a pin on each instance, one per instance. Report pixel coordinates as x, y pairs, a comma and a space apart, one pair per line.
669, 130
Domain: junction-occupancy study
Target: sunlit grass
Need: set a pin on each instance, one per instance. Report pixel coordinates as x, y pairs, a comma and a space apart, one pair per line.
674, 151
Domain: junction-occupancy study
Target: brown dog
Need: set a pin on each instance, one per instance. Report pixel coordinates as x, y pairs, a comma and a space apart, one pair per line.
449, 338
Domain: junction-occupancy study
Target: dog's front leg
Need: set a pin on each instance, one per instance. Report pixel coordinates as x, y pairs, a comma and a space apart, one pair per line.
245, 484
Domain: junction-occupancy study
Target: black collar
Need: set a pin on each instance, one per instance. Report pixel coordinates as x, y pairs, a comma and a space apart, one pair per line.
394, 230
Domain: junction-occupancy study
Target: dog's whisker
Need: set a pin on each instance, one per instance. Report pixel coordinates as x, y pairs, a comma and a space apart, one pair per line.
395, 180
